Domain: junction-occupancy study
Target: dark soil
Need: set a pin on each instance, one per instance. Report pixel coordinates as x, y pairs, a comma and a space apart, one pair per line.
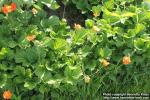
69, 12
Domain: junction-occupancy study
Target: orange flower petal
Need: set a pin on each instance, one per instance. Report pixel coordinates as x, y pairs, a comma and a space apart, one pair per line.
126, 60
13, 6
7, 95
5, 9
31, 37
105, 63
77, 26
34, 11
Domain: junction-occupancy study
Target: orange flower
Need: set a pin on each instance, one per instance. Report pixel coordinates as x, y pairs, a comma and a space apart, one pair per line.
31, 37
87, 79
126, 60
7, 95
77, 26
13, 6
5, 9
105, 63
34, 11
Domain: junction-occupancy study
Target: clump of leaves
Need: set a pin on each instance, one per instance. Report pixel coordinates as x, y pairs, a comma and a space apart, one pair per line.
42, 57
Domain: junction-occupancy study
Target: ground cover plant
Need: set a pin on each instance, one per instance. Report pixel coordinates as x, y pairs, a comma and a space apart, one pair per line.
73, 49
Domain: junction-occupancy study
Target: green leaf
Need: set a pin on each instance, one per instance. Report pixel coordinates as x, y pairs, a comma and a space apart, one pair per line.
96, 9
54, 82
19, 79
82, 4
47, 75
43, 88
139, 44
12, 44
111, 17
50, 3
32, 55
127, 51
79, 36
40, 71
59, 43
146, 0
54, 20
109, 4
73, 72
19, 71
93, 37
37, 97
127, 14
28, 73
112, 77
50, 22
139, 28
3, 67
131, 33
41, 53
3, 79
29, 55
30, 85
3, 51
47, 42
20, 57
91, 64
37, 6
1, 17
105, 52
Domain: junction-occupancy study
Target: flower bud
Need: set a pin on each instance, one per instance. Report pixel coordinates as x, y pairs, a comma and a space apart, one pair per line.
126, 60
87, 79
